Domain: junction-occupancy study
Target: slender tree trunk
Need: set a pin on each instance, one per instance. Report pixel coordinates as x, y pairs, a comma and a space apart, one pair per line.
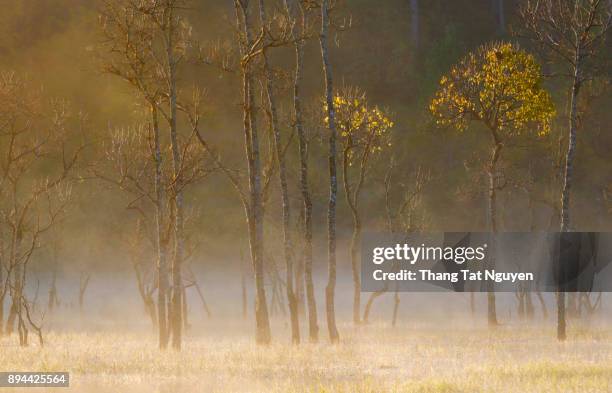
313, 326
176, 322
529, 310
491, 309
150, 310
2, 287
162, 264
520, 295
15, 300
146, 293
370, 303
244, 287
396, 303
571, 309
567, 185
16, 295
184, 308
333, 181
10, 322
282, 173
352, 201
200, 293
22, 329
255, 208
561, 333
83, 284
53, 300
542, 305
17, 283
300, 293
176, 313
256, 237
53, 291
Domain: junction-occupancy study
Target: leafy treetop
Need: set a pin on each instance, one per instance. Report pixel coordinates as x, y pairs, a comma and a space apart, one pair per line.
360, 126
499, 85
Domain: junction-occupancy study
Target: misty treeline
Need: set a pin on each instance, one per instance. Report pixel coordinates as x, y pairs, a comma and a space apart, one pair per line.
308, 121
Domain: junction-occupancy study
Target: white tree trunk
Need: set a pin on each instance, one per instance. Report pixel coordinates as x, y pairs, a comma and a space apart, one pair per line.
333, 181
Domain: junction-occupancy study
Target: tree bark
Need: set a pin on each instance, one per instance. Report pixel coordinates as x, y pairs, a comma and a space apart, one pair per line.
300, 293
333, 182
567, 185
491, 309
282, 174
162, 264
300, 288
15, 302
255, 207
2, 287
200, 293
17, 283
313, 326
176, 322
352, 201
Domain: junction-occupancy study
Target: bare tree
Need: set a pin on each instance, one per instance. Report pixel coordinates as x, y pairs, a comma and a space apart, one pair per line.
274, 31
573, 32
130, 165
129, 39
299, 11
149, 41
31, 203
252, 150
269, 40
170, 24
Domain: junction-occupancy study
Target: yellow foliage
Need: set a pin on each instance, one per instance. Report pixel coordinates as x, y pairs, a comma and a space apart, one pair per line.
358, 125
500, 85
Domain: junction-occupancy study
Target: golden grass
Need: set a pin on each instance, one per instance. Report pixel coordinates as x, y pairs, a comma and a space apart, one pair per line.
369, 359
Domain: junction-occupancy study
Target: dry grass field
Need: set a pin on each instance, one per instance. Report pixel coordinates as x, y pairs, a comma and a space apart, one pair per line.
373, 358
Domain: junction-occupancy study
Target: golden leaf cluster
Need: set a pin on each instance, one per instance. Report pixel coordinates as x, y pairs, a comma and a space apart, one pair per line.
500, 85
360, 126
